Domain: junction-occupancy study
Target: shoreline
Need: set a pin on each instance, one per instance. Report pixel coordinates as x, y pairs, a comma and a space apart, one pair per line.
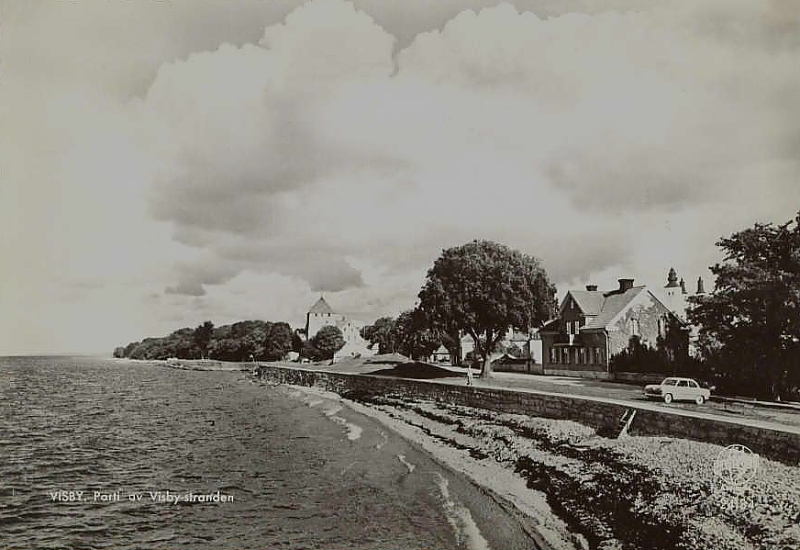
528, 507
528, 512
577, 488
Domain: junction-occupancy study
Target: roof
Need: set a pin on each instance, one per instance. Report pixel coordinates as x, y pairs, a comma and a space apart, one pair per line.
550, 326
321, 307
613, 304
590, 301
441, 349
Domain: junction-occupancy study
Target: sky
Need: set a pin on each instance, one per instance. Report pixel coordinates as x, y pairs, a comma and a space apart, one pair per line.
167, 162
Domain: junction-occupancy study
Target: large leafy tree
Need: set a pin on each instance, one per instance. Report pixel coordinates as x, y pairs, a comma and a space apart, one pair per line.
484, 289
750, 323
383, 333
414, 336
202, 337
277, 341
328, 341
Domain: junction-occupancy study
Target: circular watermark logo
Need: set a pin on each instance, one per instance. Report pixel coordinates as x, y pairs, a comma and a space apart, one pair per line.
735, 467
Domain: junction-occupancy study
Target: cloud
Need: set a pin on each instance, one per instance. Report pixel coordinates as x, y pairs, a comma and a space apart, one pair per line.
239, 171
317, 145
186, 289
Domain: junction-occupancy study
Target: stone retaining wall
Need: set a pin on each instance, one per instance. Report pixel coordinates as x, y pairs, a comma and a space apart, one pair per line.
593, 412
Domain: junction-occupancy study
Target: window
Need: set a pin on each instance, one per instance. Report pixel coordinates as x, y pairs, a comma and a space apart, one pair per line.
670, 382
692, 384
634, 327
565, 356
662, 326
553, 355
683, 384
582, 356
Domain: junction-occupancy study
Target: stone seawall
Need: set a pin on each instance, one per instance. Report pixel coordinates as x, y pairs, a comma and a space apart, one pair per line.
593, 412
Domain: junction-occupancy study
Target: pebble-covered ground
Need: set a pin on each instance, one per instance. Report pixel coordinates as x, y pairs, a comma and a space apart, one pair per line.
629, 493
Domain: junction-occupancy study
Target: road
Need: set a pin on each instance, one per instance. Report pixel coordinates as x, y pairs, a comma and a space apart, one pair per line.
628, 393
633, 393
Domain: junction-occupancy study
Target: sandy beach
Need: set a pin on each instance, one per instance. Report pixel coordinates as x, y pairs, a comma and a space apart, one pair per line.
580, 490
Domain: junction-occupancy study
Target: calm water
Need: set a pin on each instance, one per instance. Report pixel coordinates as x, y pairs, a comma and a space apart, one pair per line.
301, 474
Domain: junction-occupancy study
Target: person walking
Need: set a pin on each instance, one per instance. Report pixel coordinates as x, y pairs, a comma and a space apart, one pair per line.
469, 374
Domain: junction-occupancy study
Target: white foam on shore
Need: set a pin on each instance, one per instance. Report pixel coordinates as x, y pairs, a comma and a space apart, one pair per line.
460, 519
353, 430
491, 475
407, 464
380, 445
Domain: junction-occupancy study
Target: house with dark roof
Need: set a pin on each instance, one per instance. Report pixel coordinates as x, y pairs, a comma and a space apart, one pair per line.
593, 326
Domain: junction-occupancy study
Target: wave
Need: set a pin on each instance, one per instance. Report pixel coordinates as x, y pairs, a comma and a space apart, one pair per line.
467, 533
407, 464
353, 430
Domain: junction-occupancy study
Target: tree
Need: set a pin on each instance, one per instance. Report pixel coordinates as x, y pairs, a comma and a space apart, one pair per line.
328, 341
413, 335
452, 342
751, 321
202, 337
297, 340
383, 333
485, 288
278, 341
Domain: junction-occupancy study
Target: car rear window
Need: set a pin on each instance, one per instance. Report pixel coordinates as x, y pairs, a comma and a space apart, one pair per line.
669, 382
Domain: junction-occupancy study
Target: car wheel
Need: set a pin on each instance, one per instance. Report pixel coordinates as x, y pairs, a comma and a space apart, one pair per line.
668, 398
699, 399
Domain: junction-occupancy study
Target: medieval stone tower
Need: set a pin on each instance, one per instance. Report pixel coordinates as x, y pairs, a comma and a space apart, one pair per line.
320, 315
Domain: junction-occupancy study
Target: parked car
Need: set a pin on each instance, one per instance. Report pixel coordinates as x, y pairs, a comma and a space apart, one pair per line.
678, 389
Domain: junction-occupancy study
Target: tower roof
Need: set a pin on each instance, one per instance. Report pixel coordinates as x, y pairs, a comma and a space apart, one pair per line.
321, 307
672, 278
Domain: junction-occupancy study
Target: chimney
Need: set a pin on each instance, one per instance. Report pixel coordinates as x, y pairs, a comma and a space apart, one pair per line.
625, 284
683, 286
591, 288
700, 289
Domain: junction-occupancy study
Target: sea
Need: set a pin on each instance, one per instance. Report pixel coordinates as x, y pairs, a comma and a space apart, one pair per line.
110, 454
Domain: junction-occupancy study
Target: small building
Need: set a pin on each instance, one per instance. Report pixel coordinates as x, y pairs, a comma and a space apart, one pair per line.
529, 343
441, 355
593, 326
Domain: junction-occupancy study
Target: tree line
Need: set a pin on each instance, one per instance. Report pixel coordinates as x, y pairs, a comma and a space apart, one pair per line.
242, 341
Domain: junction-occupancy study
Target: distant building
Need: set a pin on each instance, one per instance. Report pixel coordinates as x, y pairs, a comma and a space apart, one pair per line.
441, 355
676, 298
593, 326
321, 314
529, 343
